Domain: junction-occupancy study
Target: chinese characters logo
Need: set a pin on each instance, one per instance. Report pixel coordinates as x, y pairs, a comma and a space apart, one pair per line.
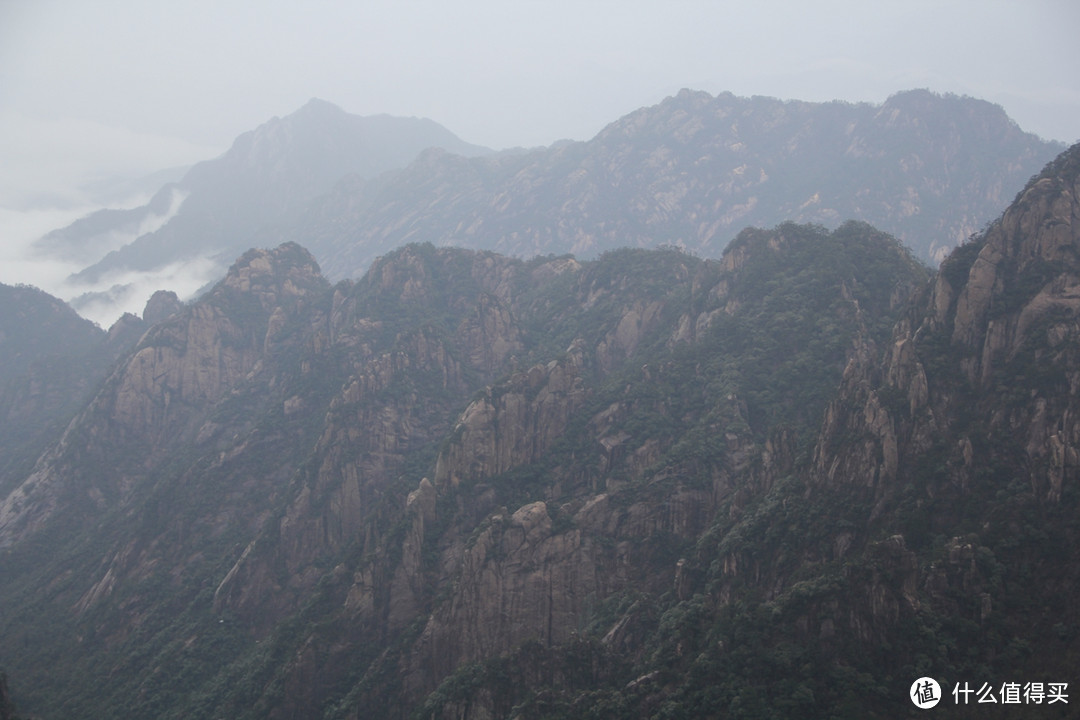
925, 693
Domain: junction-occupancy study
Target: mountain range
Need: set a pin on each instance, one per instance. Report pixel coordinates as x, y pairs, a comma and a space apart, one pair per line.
268, 176
785, 482
691, 172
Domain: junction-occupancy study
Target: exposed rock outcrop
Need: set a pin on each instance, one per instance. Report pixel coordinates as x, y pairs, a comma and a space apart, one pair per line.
586, 428
159, 396
1003, 312
516, 422
162, 305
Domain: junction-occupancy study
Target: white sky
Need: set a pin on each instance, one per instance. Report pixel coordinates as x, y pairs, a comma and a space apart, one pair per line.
99, 88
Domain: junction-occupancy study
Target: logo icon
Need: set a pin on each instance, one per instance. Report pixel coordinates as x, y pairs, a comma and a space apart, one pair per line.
925, 693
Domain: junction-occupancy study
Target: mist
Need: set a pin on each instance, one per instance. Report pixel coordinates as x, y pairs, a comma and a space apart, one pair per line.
105, 301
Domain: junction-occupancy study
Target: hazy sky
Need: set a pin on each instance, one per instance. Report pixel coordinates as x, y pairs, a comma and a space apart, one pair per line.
94, 89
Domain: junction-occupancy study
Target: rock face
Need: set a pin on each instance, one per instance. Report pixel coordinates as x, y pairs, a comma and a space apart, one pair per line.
162, 305
961, 433
1003, 310
516, 426
158, 397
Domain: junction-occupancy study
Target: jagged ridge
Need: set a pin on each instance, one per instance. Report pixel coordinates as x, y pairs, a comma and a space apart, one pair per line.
693, 171
256, 463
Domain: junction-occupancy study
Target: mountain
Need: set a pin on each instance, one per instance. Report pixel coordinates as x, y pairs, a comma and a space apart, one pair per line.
930, 530
693, 171
267, 176
784, 483
376, 454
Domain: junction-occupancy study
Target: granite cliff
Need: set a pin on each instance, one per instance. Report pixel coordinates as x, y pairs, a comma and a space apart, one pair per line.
457, 440
962, 438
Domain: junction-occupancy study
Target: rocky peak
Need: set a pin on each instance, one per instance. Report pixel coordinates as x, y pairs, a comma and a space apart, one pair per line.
158, 396
267, 144
929, 111
756, 241
669, 114
421, 274
274, 276
1027, 262
161, 305
316, 107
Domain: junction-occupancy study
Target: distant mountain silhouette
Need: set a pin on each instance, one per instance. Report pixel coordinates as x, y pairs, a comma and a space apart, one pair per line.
693, 171
269, 175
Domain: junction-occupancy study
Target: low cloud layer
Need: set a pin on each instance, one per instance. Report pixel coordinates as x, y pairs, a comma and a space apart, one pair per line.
127, 292
105, 301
